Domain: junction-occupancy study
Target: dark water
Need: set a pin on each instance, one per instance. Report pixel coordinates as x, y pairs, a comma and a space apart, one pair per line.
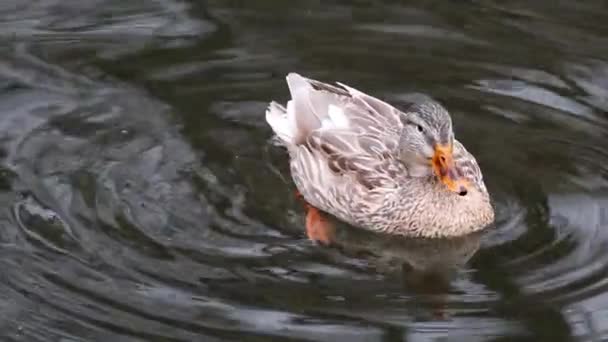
141, 199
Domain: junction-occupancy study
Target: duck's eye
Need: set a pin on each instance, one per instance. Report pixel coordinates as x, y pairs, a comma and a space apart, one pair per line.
420, 129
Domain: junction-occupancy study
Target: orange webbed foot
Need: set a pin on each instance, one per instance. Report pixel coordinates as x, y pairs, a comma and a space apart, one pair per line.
318, 227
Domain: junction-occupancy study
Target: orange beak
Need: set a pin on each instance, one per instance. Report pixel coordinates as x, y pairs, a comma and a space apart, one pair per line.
443, 165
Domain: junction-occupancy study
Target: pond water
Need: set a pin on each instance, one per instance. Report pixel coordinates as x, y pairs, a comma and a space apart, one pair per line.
142, 199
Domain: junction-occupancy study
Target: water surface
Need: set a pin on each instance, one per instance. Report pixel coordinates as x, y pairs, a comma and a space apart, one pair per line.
142, 199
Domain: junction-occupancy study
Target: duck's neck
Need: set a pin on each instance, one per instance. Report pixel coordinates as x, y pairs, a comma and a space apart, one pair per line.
434, 211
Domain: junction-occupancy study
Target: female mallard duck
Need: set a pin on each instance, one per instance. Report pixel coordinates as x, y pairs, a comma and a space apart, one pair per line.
379, 168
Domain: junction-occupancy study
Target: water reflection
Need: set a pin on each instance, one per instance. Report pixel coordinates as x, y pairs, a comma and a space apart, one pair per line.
425, 265
143, 200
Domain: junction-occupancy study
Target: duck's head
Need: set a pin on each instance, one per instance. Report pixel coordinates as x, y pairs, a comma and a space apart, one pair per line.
426, 145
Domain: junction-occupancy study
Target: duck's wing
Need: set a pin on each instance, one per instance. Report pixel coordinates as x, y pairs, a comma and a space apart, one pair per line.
338, 136
467, 164
316, 106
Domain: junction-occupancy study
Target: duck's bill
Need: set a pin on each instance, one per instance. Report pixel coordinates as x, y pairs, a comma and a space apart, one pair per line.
443, 165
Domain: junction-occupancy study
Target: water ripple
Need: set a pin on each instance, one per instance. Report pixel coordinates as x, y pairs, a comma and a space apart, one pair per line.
143, 200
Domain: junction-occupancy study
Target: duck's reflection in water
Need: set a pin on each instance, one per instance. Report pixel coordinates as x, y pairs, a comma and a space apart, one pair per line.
425, 266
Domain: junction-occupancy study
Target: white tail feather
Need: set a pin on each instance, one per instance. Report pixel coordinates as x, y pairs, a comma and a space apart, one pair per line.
307, 111
277, 118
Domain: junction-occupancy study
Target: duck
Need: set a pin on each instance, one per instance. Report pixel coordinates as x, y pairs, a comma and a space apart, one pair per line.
376, 167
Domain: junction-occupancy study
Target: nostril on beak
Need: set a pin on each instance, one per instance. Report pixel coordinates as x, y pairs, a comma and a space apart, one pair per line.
462, 191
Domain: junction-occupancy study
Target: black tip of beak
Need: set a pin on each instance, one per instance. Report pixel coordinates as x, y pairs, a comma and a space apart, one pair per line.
462, 191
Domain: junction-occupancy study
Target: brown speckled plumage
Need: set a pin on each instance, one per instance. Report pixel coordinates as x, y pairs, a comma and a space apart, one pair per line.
359, 159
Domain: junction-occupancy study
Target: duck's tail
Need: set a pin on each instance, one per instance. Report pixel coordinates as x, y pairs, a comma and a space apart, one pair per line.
308, 110
278, 118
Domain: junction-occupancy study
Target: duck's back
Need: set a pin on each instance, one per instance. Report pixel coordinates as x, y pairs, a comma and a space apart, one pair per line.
342, 145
